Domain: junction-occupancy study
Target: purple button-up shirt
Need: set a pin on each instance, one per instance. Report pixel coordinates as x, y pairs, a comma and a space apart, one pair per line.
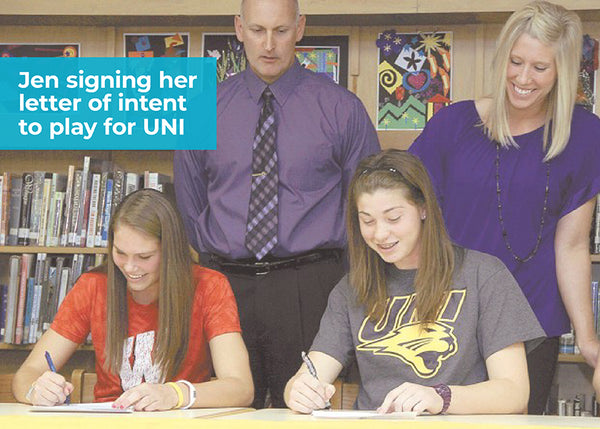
323, 131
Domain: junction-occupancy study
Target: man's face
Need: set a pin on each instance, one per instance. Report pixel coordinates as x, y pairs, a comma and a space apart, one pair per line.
269, 31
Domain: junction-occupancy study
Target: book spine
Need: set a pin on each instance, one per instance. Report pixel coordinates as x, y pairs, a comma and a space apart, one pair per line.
26, 195
28, 308
16, 188
35, 314
25, 264
14, 270
2, 191
93, 210
45, 209
60, 263
596, 247
74, 229
64, 285
3, 304
118, 188
5, 208
67, 213
595, 304
44, 297
85, 201
36, 206
58, 207
107, 212
132, 183
101, 204
51, 298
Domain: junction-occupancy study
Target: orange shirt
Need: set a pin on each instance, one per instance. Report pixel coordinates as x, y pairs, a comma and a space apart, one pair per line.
83, 311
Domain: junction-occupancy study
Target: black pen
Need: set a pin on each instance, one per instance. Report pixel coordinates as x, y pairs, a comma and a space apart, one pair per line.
53, 369
313, 372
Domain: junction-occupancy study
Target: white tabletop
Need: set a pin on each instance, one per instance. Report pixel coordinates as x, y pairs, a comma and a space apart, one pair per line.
23, 409
282, 415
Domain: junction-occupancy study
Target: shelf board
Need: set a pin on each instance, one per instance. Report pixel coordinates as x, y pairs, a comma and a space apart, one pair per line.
595, 258
4, 346
220, 13
570, 358
46, 249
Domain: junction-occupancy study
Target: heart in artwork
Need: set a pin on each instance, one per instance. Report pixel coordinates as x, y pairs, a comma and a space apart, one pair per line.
417, 82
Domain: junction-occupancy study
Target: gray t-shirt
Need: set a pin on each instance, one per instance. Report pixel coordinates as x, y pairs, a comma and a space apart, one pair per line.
485, 312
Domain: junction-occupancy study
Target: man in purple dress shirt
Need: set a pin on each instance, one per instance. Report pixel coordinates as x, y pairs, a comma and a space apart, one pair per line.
322, 132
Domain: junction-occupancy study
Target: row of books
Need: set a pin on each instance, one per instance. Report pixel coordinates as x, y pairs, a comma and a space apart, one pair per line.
595, 231
52, 209
37, 285
567, 343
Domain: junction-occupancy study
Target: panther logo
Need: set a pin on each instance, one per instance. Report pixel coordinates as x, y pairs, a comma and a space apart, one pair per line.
423, 348
398, 334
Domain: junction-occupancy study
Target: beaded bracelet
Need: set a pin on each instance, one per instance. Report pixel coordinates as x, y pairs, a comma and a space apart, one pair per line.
179, 394
192, 390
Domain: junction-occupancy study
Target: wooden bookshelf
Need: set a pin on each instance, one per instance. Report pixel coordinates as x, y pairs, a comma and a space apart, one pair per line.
207, 8
570, 358
595, 258
57, 250
3, 346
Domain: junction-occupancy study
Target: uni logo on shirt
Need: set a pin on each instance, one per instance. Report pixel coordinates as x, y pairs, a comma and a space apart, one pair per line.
399, 335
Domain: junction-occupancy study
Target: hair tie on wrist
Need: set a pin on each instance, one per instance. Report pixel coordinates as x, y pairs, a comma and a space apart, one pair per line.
179, 394
192, 392
30, 392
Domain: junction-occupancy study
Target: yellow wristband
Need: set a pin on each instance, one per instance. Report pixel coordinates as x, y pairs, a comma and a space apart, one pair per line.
179, 394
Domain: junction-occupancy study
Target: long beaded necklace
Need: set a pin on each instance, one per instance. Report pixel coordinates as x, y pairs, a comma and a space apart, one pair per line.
501, 218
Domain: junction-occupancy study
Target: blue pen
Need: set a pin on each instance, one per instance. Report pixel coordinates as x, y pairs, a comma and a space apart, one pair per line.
53, 369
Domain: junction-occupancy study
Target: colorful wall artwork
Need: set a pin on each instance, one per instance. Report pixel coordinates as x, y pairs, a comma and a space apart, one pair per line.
228, 51
320, 59
8, 50
415, 78
586, 89
321, 54
157, 45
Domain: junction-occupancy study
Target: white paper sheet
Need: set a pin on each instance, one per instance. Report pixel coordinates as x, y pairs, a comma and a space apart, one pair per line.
96, 407
362, 414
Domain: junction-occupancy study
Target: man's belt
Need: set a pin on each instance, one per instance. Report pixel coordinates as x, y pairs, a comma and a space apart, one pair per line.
252, 266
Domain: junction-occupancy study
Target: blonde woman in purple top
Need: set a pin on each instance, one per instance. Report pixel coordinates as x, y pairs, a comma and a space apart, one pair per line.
517, 174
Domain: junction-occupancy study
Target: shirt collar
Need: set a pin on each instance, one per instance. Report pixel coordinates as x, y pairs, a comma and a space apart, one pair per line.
281, 88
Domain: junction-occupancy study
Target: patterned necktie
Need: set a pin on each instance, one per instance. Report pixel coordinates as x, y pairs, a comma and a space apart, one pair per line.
261, 228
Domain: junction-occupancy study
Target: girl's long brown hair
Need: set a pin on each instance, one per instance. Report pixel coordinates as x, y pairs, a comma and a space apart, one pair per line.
401, 171
152, 213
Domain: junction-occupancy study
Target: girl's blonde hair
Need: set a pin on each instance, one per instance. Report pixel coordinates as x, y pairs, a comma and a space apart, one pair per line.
559, 28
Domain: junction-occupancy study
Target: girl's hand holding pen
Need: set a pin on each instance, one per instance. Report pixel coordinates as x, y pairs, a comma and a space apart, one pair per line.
50, 388
308, 393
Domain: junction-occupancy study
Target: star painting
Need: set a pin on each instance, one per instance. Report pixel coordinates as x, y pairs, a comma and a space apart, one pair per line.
414, 78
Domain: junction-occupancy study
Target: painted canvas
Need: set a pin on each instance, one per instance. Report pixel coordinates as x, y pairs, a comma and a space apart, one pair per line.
414, 78
157, 45
227, 50
8, 50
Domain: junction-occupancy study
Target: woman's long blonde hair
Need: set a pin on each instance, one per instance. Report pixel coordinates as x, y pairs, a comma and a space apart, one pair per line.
554, 26
398, 170
150, 212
